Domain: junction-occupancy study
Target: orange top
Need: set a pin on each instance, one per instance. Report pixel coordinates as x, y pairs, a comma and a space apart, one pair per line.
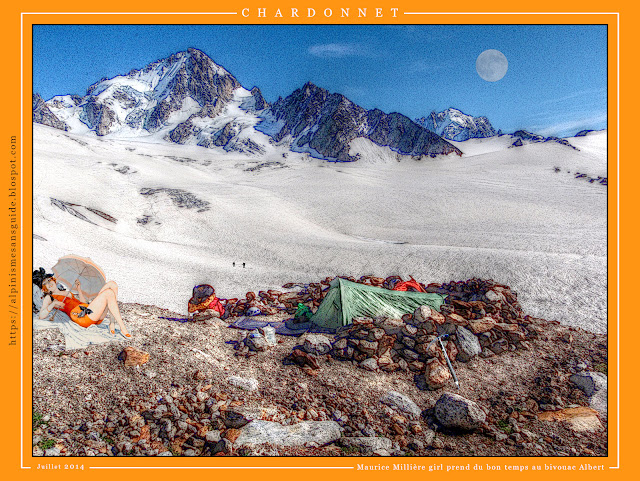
211, 302
70, 303
404, 286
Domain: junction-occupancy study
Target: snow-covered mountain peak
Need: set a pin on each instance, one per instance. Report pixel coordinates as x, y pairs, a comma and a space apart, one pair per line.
187, 98
453, 124
159, 77
170, 99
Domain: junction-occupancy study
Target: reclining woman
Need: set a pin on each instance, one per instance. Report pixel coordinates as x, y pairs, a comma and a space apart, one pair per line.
80, 311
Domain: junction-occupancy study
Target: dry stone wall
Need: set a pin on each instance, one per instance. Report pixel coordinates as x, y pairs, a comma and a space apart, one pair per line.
479, 318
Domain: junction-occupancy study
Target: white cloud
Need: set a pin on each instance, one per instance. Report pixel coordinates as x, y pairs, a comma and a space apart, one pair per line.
571, 126
329, 50
590, 93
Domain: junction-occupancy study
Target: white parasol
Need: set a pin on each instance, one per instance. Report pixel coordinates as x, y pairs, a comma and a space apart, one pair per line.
71, 268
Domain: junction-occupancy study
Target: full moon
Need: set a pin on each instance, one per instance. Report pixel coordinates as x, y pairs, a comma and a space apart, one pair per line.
491, 65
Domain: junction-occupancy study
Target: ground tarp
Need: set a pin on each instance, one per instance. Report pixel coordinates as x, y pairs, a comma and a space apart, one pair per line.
346, 300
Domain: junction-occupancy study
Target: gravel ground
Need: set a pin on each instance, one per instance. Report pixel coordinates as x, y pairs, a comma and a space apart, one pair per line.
86, 402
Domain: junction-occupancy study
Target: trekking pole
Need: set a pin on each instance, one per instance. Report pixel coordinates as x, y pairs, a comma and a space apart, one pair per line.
446, 356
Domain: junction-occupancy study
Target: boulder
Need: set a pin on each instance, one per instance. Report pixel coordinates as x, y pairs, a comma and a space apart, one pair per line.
367, 445
579, 419
468, 344
452, 350
390, 326
232, 434
499, 346
436, 374
234, 420
224, 446
409, 342
446, 328
133, 356
494, 296
478, 326
409, 330
301, 434
375, 334
426, 318
340, 344
456, 320
316, 344
416, 366
594, 385
248, 384
385, 359
455, 412
369, 364
589, 382
385, 343
367, 347
303, 359
402, 403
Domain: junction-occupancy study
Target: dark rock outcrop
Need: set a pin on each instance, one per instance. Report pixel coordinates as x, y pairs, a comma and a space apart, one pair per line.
42, 114
583, 133
326, 123
260, 102
535, 138
99, 116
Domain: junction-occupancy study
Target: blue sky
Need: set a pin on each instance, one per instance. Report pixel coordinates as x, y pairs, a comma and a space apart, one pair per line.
556, 83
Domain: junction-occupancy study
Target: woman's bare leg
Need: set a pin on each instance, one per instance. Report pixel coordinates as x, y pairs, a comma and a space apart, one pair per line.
104, 303
110, 285
114, 287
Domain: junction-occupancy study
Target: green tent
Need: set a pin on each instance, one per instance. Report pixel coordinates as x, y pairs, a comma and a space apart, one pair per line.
346, 300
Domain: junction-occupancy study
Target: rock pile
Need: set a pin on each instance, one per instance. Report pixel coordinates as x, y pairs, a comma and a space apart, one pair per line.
271, 301
479, 318
194, 422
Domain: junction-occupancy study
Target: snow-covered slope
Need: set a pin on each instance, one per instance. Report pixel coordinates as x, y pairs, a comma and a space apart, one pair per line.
160, 218
587, 156
593, 144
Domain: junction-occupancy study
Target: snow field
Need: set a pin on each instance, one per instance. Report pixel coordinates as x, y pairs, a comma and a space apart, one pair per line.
495, 212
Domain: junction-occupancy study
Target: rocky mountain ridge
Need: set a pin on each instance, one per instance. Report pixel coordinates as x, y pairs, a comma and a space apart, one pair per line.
188, 99
43, 115
453, 124
523, 137
318, 121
